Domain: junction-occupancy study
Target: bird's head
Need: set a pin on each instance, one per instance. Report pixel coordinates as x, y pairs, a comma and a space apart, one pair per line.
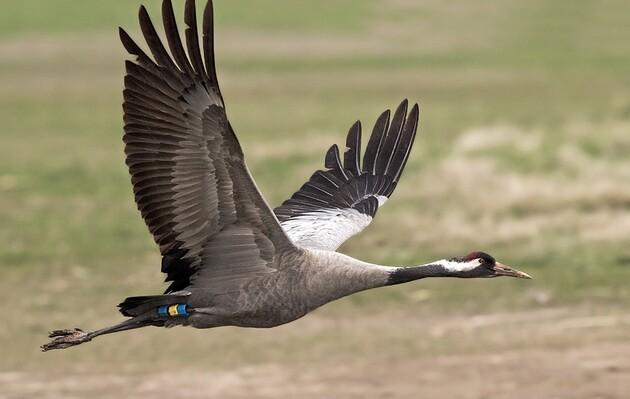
480, 264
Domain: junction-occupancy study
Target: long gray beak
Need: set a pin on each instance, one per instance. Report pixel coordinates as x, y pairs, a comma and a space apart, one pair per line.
503, 270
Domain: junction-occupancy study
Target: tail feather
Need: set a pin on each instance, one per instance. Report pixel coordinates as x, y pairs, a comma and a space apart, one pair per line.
137, 305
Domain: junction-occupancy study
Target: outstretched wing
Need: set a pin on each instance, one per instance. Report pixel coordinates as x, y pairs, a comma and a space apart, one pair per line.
189, 177
341, 201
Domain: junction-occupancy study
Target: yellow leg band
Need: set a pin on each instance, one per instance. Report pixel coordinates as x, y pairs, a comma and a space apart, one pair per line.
172, 310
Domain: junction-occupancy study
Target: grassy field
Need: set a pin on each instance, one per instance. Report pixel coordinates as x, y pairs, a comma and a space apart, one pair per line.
522, 152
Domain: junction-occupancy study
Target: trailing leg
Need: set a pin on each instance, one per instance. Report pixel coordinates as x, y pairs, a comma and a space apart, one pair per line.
70, 337
155, 310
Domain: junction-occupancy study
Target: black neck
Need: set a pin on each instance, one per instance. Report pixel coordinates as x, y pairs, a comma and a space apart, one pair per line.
406, 274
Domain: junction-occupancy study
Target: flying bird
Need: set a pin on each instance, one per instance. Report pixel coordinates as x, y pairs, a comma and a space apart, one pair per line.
230, 259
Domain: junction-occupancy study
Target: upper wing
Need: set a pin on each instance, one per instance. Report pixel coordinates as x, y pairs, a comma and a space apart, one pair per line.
189, 177
339, 202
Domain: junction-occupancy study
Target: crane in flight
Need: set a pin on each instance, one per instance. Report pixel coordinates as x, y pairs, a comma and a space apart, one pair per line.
230, 259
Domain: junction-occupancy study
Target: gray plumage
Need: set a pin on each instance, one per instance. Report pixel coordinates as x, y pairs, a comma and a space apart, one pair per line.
227, 257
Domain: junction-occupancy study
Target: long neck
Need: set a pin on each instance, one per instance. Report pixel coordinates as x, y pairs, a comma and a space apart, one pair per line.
399, 275
343, 275
327, 276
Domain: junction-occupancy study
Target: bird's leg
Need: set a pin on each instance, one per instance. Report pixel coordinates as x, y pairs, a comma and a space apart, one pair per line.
75, 336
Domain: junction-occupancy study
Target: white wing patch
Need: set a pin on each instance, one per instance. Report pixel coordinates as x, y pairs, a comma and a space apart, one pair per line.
325, 229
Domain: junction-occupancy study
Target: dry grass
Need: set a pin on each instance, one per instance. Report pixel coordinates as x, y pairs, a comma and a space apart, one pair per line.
582, 193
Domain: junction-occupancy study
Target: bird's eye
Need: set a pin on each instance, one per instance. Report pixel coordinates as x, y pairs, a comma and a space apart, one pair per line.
482, 261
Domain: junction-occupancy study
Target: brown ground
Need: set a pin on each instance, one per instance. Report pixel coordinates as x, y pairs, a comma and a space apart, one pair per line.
553, 353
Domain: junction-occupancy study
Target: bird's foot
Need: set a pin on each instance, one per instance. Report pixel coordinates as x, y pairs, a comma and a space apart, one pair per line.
65, 339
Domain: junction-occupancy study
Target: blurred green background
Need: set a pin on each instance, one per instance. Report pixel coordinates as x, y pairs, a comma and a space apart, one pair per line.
522, 152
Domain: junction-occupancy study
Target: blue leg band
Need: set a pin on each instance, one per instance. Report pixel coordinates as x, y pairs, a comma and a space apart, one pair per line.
162, 310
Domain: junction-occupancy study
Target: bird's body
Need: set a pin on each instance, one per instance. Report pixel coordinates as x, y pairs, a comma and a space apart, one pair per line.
230, 259
310, 279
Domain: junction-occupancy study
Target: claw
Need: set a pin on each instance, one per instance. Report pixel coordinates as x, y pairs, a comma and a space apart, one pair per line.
61, 333
65, 339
